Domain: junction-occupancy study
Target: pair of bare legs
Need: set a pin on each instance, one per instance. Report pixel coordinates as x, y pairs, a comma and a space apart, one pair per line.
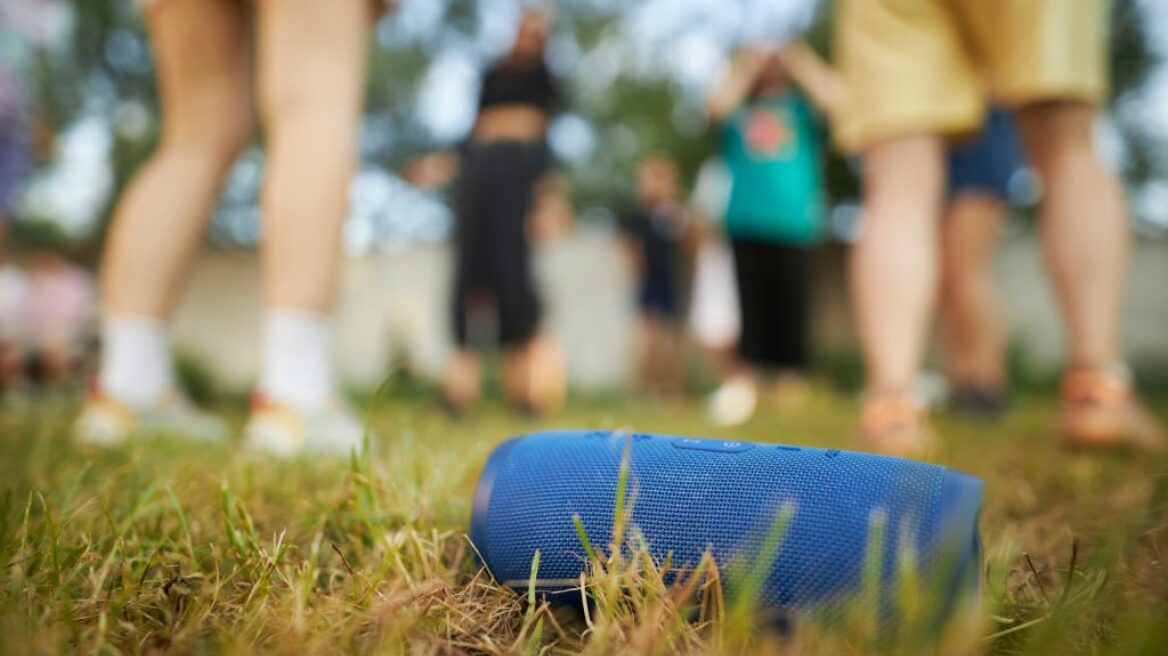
972, 328
310, 56
894, 268
309, 73
533, 377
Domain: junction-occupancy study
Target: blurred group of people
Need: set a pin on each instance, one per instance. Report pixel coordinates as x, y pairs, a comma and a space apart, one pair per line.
937, 106
48, 305
48, 316
908, 96
763, 194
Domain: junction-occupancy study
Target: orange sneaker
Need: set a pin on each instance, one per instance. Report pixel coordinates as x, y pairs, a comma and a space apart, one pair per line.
281, 430
106, 422
895, 426
1100, 411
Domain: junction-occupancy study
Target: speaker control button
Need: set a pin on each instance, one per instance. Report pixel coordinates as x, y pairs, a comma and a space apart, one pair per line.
719, 446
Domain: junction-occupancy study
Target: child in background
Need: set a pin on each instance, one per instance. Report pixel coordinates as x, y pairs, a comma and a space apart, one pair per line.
774, 216
653, 232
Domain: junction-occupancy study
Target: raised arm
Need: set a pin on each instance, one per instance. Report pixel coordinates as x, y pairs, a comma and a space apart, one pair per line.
731, 93
822, 84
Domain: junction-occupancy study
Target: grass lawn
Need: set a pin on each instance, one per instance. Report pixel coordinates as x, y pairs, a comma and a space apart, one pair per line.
168, 546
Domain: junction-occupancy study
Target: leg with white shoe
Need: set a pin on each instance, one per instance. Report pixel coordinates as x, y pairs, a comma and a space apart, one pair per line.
311, 71
200, 51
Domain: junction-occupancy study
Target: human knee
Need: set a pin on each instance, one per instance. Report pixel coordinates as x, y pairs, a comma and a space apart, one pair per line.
958, 281
217, 137
1052, 129
297, 108
903, 180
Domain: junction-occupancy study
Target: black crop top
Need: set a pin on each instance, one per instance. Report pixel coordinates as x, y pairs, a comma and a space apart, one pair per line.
528, 84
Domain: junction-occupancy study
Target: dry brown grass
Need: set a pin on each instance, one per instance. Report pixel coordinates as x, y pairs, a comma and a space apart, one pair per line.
167, 547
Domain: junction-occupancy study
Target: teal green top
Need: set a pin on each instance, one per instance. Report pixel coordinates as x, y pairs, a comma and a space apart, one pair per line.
771, 148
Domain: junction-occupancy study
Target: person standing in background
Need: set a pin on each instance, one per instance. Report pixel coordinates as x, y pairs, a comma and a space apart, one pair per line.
774, 216
654, 230
308, 80
915, 73
504, 193
972, 326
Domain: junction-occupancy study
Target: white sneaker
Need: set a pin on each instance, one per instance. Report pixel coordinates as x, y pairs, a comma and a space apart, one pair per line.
107, 422
283, 431
734, 402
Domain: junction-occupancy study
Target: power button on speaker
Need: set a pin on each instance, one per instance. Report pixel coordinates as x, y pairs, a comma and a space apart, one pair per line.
719, 446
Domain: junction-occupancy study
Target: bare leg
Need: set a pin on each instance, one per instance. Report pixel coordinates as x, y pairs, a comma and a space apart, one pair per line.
200, 51
311, 71
971, 318
893, 281
673, 364
534, 375
201, 59
514, 376
651, 336
662, 369
312, 62
894, 266
1085, 241
462, 383
547, 375
1084, 233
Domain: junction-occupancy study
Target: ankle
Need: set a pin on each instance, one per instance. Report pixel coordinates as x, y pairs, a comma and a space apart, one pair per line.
1108, 383
135, 365
297, 359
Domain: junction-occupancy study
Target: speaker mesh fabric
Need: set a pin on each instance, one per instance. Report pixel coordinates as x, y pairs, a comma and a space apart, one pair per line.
692, 495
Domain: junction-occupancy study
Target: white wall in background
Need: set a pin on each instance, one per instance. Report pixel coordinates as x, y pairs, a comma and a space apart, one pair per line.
396, 305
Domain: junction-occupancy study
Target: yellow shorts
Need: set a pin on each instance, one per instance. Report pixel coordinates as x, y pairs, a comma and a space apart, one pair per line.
380, 7
915, 66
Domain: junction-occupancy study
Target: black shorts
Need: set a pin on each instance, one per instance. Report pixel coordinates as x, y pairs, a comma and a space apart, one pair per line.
774, 296
493, 197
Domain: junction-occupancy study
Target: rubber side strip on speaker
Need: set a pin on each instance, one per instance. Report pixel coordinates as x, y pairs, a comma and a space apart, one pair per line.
959, 540
482, 496
960, 506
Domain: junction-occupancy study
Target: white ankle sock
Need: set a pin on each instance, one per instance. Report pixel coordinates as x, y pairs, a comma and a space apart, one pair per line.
135, 361
297, 369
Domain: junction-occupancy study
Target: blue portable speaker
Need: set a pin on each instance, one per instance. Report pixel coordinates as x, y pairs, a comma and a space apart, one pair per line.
692, 495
